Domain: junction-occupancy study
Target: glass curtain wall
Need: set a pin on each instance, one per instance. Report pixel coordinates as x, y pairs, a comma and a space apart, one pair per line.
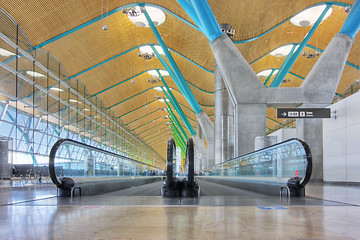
39, 105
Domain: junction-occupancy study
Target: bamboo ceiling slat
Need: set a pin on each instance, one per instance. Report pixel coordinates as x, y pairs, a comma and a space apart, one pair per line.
255, 17
141, 112
137, 101
141, 121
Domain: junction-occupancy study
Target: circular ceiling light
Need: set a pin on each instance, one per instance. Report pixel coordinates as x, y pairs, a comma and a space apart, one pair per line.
283, 51
35, 74
137, 17
309, 16
266, 73
154, 73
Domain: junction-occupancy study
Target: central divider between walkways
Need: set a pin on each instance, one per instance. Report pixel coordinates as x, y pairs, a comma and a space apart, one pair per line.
79, 169
174, 186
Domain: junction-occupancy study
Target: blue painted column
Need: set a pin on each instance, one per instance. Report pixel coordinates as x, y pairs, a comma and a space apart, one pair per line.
352, 23
179, 80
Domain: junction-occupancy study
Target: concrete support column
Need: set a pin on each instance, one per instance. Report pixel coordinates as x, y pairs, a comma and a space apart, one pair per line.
221, 118
311, 131
208, 129
250, 122
229, 149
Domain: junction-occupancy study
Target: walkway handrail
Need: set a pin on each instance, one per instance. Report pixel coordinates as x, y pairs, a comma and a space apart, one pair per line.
190, 160
170, 165
59, 182
268, 156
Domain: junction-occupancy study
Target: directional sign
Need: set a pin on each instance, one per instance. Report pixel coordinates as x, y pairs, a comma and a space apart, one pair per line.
303, 113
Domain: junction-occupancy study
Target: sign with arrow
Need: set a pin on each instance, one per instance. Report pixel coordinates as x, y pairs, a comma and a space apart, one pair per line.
303, 113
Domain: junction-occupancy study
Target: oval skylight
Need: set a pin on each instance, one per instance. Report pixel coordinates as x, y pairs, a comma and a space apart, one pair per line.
137, 17
154, 73
309, 16
283, 51
56, 89
6, 53
35, 74
148, 50
266, 73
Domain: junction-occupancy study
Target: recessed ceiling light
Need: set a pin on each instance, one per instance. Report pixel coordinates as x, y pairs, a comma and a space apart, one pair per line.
154, 73
309, 16
35, 74
266, 73
283, 51
137, 17
6, 53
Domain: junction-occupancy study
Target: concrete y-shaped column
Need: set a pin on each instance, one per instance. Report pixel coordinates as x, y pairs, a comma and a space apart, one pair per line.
320, 85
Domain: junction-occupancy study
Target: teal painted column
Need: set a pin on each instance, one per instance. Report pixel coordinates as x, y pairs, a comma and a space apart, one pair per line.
176, 121
277, 81
176, 105
179, 80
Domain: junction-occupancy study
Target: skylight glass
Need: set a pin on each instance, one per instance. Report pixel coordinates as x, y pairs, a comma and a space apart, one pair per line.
148, 50
56, 89
283, 51
154, 73
6, 53
309, 16
266, 73
138, 18
35, 74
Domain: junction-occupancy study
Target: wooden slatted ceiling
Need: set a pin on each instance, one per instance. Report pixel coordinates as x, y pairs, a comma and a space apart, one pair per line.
87, 47
255, 17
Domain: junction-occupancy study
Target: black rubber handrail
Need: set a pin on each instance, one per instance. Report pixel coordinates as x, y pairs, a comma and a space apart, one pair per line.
171, 154
190, 160
61, 142
306, 147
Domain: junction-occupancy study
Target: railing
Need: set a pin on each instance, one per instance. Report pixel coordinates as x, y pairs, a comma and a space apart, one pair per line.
71, 159
290, 159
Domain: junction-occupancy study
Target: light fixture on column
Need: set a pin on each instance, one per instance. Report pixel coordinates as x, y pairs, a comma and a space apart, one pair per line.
153, 80
310, 54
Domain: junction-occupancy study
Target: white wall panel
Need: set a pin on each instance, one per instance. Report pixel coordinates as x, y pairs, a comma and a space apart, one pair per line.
335, 143
342, 141
353, 168
335, 169
352, 109
353, 139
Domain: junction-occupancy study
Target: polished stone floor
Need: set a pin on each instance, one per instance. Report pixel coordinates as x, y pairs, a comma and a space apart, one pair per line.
32, 211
